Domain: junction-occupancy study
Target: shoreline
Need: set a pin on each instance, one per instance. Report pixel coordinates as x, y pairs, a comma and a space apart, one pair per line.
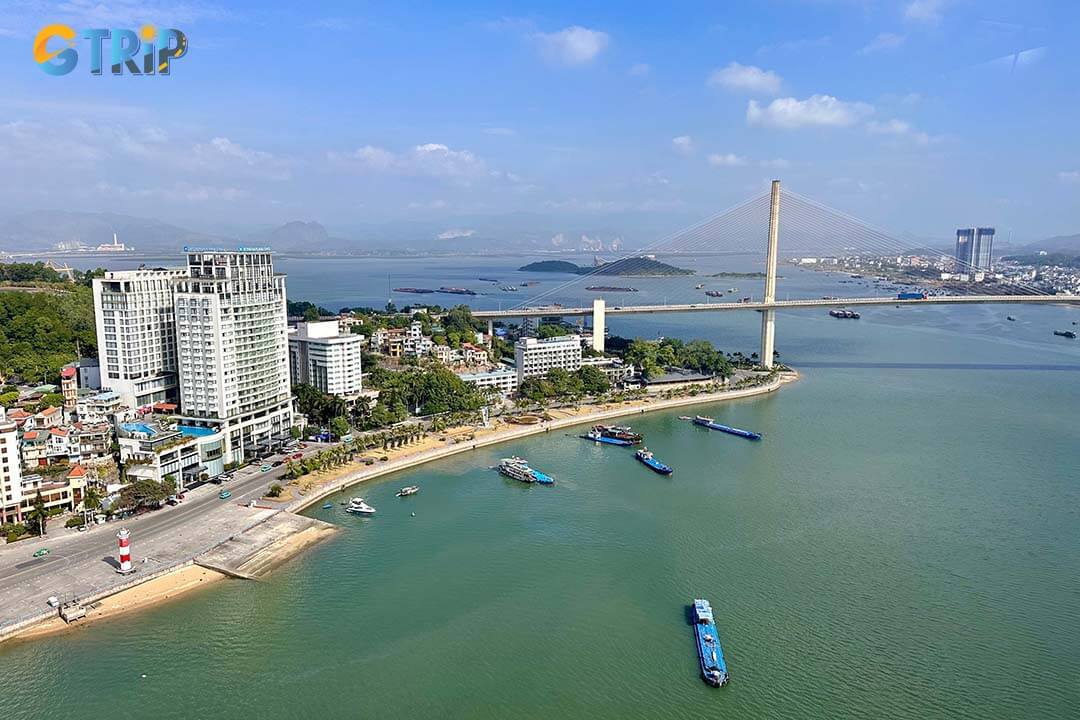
517, 432
147, 593
190, 575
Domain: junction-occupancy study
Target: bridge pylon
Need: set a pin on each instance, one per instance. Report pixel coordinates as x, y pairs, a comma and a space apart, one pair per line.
768, 316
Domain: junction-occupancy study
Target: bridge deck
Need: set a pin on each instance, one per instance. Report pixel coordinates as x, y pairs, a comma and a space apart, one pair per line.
779, 305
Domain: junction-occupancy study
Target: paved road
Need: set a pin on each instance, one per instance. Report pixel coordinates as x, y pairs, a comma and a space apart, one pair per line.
82, 563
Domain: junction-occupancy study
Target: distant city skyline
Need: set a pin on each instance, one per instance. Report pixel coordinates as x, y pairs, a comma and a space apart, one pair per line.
914, 115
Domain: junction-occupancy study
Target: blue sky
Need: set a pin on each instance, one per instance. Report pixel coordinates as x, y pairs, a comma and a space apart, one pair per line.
916, 115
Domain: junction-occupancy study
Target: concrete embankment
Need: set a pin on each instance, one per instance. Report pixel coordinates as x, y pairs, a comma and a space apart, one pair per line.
255, 552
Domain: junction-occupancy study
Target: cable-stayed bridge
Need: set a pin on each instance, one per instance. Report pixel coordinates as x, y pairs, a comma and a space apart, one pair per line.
809, 228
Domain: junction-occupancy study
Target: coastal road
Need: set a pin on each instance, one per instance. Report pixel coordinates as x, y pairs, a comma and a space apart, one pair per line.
83, 563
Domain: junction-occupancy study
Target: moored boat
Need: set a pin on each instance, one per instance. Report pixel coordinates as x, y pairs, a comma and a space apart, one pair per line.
619, 432
597, 436
709, 423
357, 506
710, 653
645, 457
408, 490
516, 468
1065, 334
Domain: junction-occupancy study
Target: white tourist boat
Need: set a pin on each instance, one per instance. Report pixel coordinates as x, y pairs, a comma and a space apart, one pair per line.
409, 490
357, 506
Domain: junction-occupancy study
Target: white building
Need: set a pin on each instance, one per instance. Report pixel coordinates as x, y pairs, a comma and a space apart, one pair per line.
326, 358
616, 370
152, 451
232, 344
505, 380
10, 471
136, 334
534, 357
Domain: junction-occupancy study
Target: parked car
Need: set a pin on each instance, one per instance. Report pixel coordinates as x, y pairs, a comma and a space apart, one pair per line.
264, 468
297, 456
224, 495
41, 552
278, 463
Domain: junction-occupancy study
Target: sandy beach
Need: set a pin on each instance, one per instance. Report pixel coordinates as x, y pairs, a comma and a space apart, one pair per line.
160, 589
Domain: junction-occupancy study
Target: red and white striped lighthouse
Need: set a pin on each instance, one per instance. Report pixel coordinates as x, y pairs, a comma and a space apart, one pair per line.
125, 551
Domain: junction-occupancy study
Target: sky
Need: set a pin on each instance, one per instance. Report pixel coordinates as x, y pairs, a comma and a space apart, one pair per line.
918, 116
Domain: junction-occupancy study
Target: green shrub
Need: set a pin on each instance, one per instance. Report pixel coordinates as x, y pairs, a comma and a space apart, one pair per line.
274, 491
77, 521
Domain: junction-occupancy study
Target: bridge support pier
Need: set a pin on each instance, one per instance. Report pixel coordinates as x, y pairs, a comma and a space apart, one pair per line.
768, 316
491, 333
598, 324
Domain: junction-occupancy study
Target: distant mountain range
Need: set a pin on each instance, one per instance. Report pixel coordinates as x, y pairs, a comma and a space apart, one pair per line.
1069, 244
53, 230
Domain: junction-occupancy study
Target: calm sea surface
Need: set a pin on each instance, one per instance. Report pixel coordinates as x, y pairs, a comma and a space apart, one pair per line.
903, 543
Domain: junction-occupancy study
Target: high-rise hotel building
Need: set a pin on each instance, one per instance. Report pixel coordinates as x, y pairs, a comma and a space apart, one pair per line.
212, 336
233, 348
136, 333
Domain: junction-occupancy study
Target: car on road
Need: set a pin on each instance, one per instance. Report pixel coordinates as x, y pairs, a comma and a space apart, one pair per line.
264, 468
42, 552
224, 495
297, 456
278, 463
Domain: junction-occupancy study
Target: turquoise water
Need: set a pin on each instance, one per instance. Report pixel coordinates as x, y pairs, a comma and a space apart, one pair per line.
902, 543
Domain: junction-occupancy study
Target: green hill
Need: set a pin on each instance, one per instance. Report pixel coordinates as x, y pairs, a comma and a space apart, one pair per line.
626, 267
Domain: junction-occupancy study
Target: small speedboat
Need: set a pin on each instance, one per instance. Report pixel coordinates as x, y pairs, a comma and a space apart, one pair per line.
410, 490
1010, 318
357, 506
328, 506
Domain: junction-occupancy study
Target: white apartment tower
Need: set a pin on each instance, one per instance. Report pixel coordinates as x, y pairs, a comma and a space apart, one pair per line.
10, 471
321, 356
136, 334
535, 357
232, 347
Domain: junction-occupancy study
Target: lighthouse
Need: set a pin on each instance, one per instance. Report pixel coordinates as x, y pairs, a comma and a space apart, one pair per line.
125, 552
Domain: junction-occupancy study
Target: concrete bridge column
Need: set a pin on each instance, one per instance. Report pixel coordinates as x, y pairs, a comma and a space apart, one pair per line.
768, 316
598, 321
491, 332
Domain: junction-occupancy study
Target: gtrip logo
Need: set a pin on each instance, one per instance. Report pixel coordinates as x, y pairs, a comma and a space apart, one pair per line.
148, 52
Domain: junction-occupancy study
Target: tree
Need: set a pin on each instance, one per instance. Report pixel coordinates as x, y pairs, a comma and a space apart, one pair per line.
550, 331
311, 314
9, 399
38, 517
91, 500
274, 490
339, 426
143, 491
295, 432
593, 380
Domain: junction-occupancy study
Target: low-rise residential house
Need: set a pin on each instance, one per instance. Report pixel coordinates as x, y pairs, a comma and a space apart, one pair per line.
95, 442
395, 343
21, 418
34, 448
61, 446
99, 407
474, 354
505, 380
379, 339
446, 354
57, 491
49, 418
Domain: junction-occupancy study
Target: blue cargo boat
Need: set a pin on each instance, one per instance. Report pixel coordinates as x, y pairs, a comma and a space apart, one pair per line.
542, 478
597, 436
655, 465
710, 654
708, 422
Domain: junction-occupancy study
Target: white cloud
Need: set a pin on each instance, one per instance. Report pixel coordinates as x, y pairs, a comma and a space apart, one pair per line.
640, 70
330, 23
746, 78
428, 160
884, 41
455, 233
726, 160
500, 131
900, 128
775, 163
816, 110
572, 45
683, 144
924, 11
1069, 176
